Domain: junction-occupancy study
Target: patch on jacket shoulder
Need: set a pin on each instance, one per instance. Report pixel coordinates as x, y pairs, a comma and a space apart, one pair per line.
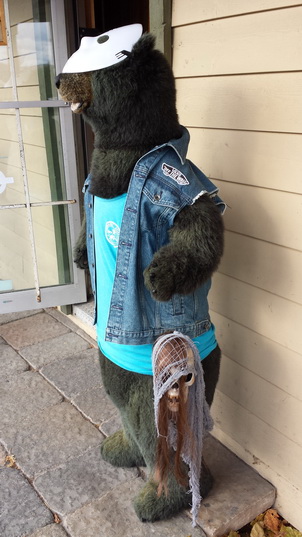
175, 174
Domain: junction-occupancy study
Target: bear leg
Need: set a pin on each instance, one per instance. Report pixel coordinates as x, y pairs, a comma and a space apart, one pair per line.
132, 393
149, 506
120, 450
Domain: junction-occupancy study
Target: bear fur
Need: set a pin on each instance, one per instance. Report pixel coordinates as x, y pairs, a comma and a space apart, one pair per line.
131, 109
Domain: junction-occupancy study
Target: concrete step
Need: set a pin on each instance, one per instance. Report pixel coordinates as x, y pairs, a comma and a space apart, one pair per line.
83, 316
239, 493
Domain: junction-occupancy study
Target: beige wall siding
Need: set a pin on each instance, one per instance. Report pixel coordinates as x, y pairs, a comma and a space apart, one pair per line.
238, 68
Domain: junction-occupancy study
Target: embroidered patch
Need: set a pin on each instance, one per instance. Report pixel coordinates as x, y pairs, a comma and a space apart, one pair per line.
175, 174
112, 233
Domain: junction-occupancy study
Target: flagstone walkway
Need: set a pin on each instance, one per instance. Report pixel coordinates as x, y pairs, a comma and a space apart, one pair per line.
54, 415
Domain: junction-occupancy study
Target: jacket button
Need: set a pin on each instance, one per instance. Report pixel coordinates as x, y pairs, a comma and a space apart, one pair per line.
90, 235
90, 205
157, 197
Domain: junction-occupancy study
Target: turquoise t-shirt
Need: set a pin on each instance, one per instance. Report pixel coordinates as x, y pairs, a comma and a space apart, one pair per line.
108, 215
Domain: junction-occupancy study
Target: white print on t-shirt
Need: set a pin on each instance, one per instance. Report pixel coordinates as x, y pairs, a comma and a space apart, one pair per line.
112, 233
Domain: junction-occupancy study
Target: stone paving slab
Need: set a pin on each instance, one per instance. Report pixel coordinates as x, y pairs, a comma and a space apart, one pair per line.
69, 321
95, 404
9, 317
113, 516
31, 330
112, 425
79, 481
11, 362
239, 493
21, 509
57, 348
3, 454
75, 374
50, 438
21, 399
53, 530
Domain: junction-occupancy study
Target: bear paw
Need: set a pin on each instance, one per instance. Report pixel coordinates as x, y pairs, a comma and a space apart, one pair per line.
160, 280
150, 507
80, 257
119, 451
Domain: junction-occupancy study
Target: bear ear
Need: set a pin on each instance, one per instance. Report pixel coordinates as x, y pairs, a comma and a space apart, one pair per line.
143, 46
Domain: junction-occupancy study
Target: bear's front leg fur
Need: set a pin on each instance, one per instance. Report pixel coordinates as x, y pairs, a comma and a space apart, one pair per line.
80, 250
191, 256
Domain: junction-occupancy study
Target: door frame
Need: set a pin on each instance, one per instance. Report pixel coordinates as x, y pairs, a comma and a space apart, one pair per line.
62, 294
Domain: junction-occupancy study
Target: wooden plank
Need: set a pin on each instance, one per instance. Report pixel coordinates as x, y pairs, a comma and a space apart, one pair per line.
10, 150
6, 94
270, 160
39, 187
289, 498
194, 10
20, 12
33, 131
18, 263
263, 42
3, 39
3, 55
268, 102
263, 356
16, 221
8, 128
23, 39
14, 193
5, 70
272, 405
36, 160
25, 93
160, 26
256, 437
254, 262
268, 215
267, 314
26, 70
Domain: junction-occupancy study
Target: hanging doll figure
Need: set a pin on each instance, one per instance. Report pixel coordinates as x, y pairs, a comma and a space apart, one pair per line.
181, 414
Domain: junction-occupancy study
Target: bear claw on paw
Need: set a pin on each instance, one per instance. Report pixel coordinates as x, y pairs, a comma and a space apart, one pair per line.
159, 282
150, 507
118, 451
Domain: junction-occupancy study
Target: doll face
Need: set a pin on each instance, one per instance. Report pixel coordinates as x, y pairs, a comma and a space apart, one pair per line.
173, 394
75, 88
177, 349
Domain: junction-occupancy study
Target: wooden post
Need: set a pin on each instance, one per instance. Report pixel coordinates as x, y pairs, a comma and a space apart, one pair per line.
160, 12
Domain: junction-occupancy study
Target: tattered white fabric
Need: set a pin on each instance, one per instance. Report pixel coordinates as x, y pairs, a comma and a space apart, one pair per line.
165, 375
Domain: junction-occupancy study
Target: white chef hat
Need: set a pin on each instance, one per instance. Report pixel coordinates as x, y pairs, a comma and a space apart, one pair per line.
103, 50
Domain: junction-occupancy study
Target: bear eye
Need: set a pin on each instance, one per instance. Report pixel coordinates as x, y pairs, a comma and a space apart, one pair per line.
103, 39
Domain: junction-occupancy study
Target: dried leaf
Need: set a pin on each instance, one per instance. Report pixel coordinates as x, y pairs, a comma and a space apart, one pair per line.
289, 531
272, 521
257, 530
234, 534
258, 518
10, 461
57, 519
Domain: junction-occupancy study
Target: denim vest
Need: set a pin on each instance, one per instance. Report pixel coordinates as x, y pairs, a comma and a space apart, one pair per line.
162, 183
